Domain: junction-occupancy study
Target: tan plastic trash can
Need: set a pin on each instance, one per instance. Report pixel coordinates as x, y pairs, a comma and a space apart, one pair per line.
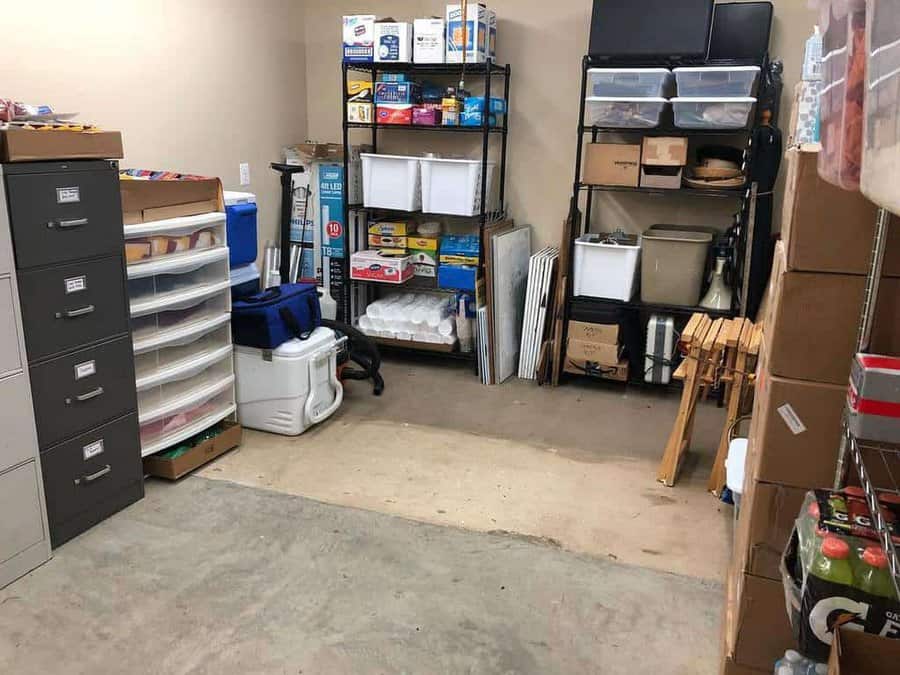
672, 265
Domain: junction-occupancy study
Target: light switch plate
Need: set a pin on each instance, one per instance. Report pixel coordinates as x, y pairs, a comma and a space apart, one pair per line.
245, 173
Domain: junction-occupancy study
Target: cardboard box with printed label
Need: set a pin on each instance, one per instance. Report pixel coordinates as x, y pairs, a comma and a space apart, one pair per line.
665, 151
825, 228
389, 229
360, 112
387, 241
173, 468
393, 42
475, 34
429, 41
612, 164
359, 38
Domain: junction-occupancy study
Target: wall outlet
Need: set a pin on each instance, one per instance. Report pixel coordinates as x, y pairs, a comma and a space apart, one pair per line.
245, 173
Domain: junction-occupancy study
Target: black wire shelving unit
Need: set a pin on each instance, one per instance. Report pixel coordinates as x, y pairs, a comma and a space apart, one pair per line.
354, 295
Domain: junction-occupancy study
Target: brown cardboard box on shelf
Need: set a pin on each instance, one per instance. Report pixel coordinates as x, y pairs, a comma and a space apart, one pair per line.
856, 653
612, 164
28, 145
813, 317
665, 151
595, 352
202, 453
825, 228
661, 177
148, 200
616, 373
594, 332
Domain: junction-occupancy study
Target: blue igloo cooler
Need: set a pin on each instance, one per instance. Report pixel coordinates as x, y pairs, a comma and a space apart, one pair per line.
240, 210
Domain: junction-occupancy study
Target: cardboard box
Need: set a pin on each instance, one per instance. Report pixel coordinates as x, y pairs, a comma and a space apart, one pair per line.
595, 352
813, 318
594, 332
393, 42
429, 41
857, 653
757, 627
387, 241
825, 228
359, 38
616, 373
612, 164
361, 90
394, 113
665, 151
729, 667
479, 40
389, 229
661, 177
28, 145
424, 243
373, 266
202, 453
397, 92
148, 200
360, 112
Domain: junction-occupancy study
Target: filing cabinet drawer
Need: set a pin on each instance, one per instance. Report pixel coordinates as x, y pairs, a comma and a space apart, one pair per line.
10, 351
18, 441
78, 391
21, 526
72, 305
62, 216
86, 471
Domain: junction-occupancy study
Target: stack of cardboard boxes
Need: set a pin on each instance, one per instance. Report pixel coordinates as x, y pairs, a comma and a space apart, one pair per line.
657, 163
811, 321
593, 349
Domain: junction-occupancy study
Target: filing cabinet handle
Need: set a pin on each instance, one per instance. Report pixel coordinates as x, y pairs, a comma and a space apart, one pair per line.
67, 224
91, 477
75, 313
81, 398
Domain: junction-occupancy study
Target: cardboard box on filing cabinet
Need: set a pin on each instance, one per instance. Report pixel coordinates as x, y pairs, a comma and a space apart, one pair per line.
825, 228
812, 325
148, 200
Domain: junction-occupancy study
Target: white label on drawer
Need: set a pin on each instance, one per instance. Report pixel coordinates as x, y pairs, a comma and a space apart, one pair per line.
68, 195
76, 284
790, 417
93, 449
86, 369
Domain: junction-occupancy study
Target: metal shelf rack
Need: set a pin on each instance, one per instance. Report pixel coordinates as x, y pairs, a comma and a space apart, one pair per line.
857, 452
352, 293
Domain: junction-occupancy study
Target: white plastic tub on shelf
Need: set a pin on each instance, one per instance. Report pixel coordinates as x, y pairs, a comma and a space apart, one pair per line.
173, 421
605, 270
162, 284
173, 237
713, 113
629, 82
717, 81
453, 186
391, 182
624, 112
179, 321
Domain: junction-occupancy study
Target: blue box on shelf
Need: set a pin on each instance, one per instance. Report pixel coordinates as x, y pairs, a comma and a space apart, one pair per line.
476, 104
469, 118
397, 92
392, 77
457, 277
460, 245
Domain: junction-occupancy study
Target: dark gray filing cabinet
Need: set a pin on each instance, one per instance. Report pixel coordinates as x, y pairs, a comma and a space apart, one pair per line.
66, 224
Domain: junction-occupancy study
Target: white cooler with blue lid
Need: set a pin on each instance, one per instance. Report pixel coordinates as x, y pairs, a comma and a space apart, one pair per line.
289, 389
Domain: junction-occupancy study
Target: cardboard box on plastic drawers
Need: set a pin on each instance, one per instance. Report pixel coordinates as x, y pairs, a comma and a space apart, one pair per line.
856, 653
825, 228
147, 200
813, 319
28, 145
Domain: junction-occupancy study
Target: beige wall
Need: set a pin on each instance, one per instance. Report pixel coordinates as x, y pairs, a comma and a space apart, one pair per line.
195, 86
544, 43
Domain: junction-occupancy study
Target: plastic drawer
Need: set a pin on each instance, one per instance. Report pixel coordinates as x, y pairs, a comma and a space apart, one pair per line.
178, 321
167, 424
173, 237
630, 82
713, 113
624, 112
175, 384
717, 82
163, 363
158, 285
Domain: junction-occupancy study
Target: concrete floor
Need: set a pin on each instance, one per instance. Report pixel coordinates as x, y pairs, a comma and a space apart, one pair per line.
496, 530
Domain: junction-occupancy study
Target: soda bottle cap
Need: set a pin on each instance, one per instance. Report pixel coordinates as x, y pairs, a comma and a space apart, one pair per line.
793, 656
853, 491
813, 509
835, 548
874, 556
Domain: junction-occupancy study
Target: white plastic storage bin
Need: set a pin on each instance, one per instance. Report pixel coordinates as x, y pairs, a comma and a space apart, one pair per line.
605, 270
174, 383
156, 285
624, 112
391, 182
195, 349
717, 82
171, 422
630, 82
291, 390
169, 325
173, 237
881, 145
713, 113
453, 186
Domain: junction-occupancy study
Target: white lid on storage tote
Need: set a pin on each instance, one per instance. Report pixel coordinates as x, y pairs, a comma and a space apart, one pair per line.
232, 198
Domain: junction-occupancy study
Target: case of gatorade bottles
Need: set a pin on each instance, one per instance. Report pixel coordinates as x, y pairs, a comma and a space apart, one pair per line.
836, 573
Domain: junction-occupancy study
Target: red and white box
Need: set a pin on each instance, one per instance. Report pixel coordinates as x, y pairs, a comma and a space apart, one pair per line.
874, 398
394, 113
372, 266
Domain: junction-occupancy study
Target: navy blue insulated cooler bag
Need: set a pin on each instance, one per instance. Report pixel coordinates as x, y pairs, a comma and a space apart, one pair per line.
269, 319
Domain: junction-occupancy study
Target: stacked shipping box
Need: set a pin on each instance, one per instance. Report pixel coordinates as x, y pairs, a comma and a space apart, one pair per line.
811, 321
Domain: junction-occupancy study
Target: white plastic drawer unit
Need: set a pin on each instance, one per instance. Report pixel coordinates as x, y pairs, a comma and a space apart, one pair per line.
174, 420
160, 388
198, 314
174, 237
169, 282
194, 351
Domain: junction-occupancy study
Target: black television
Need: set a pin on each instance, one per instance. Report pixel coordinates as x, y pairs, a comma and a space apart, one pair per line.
650, 29
741, 30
